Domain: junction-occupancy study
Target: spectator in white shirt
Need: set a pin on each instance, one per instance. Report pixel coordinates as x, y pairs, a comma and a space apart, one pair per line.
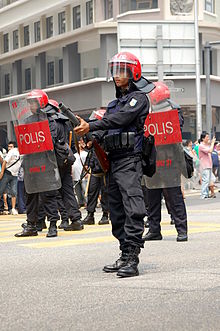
77, 168
9, 173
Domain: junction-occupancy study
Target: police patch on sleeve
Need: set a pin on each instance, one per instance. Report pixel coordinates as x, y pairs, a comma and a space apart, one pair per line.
133, 102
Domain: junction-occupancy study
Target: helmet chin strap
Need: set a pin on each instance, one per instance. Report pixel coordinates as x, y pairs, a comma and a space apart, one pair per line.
124, 90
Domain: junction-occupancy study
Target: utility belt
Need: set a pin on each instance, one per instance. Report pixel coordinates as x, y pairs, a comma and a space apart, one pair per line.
119, 141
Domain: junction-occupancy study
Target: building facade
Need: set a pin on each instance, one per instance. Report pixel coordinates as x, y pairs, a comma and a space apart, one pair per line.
64, 46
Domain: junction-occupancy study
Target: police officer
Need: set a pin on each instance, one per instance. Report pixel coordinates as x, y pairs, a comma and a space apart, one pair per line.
38, 100
160, 100
123, 123
66, 191
97, 183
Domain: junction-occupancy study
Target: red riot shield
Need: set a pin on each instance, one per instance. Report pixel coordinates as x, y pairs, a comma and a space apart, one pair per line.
170, 163
36, 147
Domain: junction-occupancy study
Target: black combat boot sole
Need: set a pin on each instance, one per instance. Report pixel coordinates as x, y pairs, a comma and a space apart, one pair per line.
109, 270
29, 234
122, 274
52, 235
76, 228
182, 239
155, 237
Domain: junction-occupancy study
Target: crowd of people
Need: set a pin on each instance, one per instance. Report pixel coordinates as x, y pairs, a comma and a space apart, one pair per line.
66, 173
206, 159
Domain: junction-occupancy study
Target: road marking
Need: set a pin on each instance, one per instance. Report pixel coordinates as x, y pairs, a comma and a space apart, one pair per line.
94, 240
70, 242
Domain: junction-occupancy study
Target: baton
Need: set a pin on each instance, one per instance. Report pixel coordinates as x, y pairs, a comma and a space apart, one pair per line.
101, 155
70, 138
72, 118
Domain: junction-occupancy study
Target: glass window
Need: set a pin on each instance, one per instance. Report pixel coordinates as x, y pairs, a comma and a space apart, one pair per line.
76, 17
62, 22
15, 39
37, 31
89, 12
50, 73
126, 5
6, 42
26, 35
108, 9
27, 79
49, 24
7, 84
210, 6
60, 70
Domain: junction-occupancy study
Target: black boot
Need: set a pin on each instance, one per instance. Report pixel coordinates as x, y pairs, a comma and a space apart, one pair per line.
63, 224
117, 264
52, 232
130, 269
104, 219
28, 231
89, 219
75, 226
182, 237
152, 236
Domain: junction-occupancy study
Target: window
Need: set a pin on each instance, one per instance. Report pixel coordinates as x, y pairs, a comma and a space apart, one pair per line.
126, 5
37, 31
27, 78
210, 6
50, 73
49, 24
6, 42
60, 70
76, 17
26, 35
108, 9
62, 22
15, 39
7, 84
89, 12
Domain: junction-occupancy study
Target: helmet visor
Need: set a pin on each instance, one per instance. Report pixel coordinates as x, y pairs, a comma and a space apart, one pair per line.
33, 103
119, 69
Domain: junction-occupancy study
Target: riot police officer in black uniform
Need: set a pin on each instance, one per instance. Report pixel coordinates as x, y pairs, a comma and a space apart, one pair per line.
38, 101
123, 123
66, 190
169, 187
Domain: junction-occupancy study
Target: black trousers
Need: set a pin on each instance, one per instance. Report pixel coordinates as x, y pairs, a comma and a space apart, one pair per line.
60, 205
68, 196
33, 206
126, 201
97, 184
175, 205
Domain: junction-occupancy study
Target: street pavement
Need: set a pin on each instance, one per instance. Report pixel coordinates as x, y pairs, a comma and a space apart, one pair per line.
58, 283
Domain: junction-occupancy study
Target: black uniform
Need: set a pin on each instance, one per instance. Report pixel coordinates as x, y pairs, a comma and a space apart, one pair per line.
66, 189
49, 197
124, 121
173, 198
